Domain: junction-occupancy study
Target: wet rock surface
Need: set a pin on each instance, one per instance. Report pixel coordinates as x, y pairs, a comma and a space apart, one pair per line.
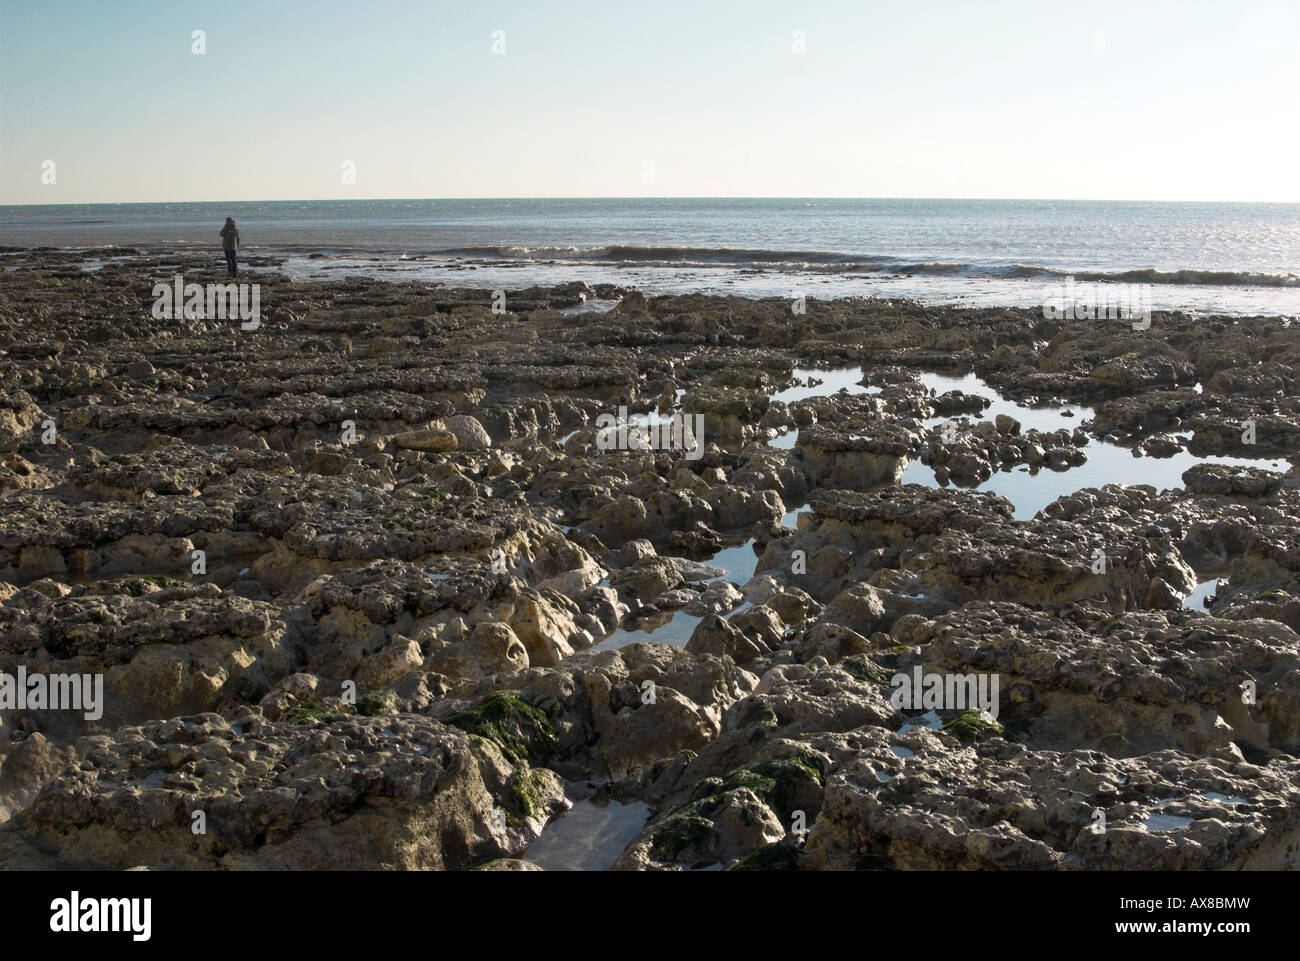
369, 584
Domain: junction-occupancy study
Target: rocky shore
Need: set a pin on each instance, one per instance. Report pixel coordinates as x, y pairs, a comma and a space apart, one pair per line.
368, 588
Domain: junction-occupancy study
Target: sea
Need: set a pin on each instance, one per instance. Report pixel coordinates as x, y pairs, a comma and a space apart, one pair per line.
1231, 258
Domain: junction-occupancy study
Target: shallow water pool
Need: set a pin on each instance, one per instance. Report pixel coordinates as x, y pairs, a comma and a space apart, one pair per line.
832, 379
588, 837
1107, 463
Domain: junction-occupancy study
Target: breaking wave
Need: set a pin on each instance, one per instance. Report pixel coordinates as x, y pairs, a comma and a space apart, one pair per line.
833, 262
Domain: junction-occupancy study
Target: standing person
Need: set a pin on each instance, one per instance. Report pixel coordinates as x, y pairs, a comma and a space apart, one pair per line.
230, 243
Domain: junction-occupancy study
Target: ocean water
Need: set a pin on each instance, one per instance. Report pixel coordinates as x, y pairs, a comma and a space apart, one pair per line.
1222, 257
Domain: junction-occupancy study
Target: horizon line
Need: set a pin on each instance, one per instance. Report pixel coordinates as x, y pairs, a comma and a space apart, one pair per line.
313, 200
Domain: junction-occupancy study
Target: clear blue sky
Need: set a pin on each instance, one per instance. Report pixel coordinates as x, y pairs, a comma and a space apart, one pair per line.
1119, 100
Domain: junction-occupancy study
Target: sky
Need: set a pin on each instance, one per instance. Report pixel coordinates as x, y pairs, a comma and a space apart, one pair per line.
1093, 100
